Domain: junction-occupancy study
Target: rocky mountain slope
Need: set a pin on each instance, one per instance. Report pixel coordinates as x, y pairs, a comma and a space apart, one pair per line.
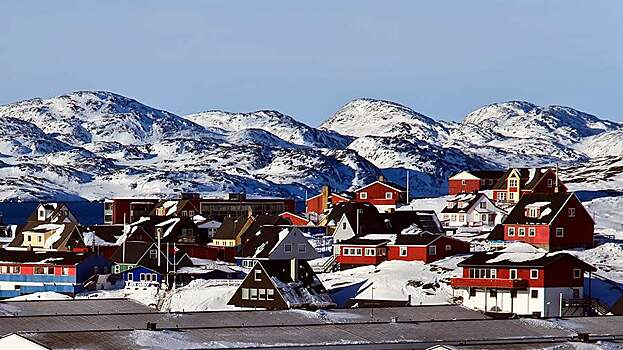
95, 144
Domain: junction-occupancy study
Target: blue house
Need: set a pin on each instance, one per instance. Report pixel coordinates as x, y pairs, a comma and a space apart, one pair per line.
25, 272
141, 277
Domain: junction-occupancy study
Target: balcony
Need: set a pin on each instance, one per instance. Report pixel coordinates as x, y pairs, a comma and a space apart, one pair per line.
498, 283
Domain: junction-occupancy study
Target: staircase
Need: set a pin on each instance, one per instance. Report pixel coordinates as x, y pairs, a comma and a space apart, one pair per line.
583, 307
328, 266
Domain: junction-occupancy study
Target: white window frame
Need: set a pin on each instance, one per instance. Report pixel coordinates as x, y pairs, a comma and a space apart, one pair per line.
534, 274
511, 232
257, 275
287, 248
531, 232
432, 250
513, 182
370, 251
130, 276
448, 247
261, 294
550, 183
363, 195
252, 293
389, 195
560, 232
577, 273
404, 251
512, 272
245, 293
270, 294
501, 196
571, 212
521, 232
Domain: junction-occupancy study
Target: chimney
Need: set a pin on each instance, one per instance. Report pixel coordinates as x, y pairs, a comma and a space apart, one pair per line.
325, 197
294, 270
381, 178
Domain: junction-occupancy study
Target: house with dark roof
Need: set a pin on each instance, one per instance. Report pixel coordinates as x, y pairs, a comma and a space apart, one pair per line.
276, 243
282, 284
471, 210
384, 195
470, 181
175, 208
521, 281
134, 253
26, 271
410, 244
52, 213
43, 236
296, 219
552, 221
518, 181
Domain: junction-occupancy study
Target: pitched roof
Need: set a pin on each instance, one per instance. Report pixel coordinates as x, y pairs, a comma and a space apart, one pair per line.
256, 223
487, 174
230, 228
425, 220
392, 185
65, 234
468, 198
350, 209
106, 233
262, 243
529, 177
173, 207
134, 251
550, 205
307, 290
424, 238
39, 257
515, 259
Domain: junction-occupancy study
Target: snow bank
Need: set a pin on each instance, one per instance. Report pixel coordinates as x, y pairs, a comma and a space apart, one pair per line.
41, 296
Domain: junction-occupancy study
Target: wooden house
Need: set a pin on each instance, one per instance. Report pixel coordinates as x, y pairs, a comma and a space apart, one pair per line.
518, 181
384, 195
471, 210
473, 181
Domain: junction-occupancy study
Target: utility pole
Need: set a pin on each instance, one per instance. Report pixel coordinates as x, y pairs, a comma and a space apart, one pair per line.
372, 314
125, 236
407, 186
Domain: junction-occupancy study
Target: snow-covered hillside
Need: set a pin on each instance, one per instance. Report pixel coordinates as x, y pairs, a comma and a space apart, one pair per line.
95, 144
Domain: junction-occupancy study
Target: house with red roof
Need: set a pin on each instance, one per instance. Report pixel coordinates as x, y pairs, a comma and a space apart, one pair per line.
384, 195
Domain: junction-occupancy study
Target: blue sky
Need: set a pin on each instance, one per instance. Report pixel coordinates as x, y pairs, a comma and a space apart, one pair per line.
442, 58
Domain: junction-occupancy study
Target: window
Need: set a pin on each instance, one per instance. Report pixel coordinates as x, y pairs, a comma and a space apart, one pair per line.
261, 295
344, 225
302, 248
39, 239
501, 196
191, 213
482, 273
153, 253
512, 274
363, 195
253, 294
351, 251
38, 270
130, 276
511, 196
450, 205
270, 294
17, 269
534, 294
184, 213
532, 212
448, 247
550, 183
50, 270
521, 231
483, 205
531, 232
116, 269
560, 231
571, 212
389, 195
512, 182
493, 293
257, 275
245, 293
577, 273
461, 217
576, 293
483, 217
403, 251
370, 252
4, 269
511, 231
453, 218
493, 273
29, 238
463, 182
287, 247
432, 250
534, 274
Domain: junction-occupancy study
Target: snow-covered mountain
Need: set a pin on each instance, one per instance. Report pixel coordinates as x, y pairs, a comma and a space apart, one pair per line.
278, 124
99, 144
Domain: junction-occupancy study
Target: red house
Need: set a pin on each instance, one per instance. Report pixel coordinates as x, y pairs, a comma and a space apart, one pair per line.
524, 283
373, 249
518, 181
324, 200
550, 220
384, 195
295, 219
473, 181
425, 247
